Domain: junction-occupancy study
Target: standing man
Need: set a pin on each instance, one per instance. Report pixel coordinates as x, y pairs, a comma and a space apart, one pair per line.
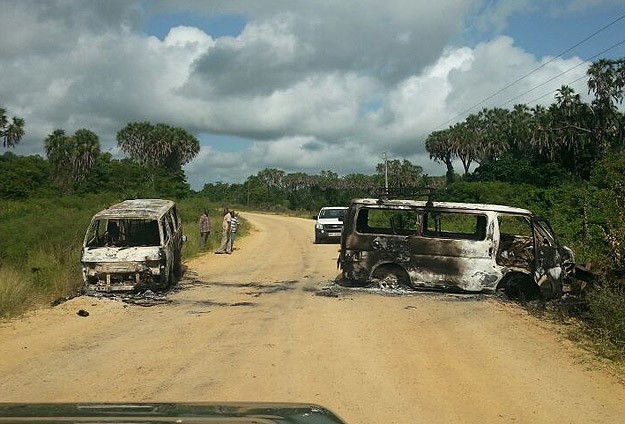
234, 224
205, 227
225, 227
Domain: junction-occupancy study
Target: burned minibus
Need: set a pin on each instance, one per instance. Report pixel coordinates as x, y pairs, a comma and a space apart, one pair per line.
456, 246
132, 246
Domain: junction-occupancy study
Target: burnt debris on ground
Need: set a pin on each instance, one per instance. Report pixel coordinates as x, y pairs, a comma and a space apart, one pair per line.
146, 298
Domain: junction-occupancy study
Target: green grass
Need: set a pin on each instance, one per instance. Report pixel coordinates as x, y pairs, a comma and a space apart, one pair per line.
605, 320
594, 320
40, 249
17, 294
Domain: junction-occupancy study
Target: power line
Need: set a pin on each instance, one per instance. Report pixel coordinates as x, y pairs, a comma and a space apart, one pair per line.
553, 91
562, 73
533, 71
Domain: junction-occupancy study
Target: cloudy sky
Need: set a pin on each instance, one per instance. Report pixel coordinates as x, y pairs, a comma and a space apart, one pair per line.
302, 86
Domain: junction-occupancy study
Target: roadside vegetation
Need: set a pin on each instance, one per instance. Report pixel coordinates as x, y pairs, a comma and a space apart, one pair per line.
42, 239
565, 162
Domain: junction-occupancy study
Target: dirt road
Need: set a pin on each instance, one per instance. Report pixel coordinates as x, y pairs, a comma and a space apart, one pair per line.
266, 324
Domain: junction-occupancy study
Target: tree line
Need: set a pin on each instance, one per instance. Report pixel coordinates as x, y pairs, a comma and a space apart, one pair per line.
273, 188
75, 164
559, 142
542, 146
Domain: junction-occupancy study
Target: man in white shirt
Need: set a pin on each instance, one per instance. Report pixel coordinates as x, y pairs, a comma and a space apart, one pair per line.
225, 227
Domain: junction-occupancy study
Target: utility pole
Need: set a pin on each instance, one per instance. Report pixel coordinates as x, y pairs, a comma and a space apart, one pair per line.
247, 183
385, 173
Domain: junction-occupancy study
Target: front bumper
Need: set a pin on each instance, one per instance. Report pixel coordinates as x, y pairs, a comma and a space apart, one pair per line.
121, 277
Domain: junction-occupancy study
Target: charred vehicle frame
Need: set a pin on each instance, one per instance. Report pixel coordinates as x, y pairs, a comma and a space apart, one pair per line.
133, 245
458, 246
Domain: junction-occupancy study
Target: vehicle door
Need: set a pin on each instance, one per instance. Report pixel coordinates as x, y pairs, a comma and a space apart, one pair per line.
548, 272
390, 231
176, 242
374, 236
177, 229
168, 242
454, 249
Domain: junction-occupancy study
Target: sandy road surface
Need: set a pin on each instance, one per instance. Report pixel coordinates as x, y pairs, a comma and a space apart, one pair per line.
256, 326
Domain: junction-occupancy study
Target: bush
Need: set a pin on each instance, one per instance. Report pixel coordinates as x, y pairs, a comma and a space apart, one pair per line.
23, 176
606, 211
606, 304
521, 171
17, 294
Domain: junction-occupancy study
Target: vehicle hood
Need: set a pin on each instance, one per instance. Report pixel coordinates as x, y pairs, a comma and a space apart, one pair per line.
329, 221
198, 413
120, 254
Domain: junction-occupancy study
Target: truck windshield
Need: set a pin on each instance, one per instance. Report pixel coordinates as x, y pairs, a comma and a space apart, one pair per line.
332, 213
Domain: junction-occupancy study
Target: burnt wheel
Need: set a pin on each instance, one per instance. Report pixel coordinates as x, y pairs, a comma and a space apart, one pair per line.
520, 287
167, 279
388, 278
178, 267
171, 278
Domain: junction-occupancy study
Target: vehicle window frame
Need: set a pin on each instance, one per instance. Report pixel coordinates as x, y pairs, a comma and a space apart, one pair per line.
479, 234
387, 231
167, 233
526, 220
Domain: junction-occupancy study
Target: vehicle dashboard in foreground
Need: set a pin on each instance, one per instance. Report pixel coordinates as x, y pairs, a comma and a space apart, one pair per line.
199, 413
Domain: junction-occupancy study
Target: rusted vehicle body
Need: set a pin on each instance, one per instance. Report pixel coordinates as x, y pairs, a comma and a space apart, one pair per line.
444, 245
133, 245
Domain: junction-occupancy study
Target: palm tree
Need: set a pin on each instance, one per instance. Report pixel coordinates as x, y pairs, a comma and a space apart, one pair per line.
57, 149
606, 79
439, 145
520, 121
85, 148
11, 132
495, 124
71, 157
466, 142
159, 145
540, 140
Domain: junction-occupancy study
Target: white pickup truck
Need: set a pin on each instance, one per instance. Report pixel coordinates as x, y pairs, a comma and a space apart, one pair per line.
329, 223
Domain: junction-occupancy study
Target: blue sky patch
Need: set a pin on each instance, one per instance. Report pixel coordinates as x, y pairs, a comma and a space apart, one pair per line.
225, 143
218, 26
548, 35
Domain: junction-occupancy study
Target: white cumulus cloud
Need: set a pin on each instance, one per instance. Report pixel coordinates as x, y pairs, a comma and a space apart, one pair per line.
311, 85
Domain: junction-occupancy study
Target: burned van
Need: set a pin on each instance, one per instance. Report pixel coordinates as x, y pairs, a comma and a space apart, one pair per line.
133, 245
444, 245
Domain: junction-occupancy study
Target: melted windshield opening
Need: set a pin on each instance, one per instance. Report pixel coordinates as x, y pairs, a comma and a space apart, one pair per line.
123, 233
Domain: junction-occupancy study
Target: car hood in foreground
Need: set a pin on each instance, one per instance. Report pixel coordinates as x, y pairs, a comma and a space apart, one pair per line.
166, 413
